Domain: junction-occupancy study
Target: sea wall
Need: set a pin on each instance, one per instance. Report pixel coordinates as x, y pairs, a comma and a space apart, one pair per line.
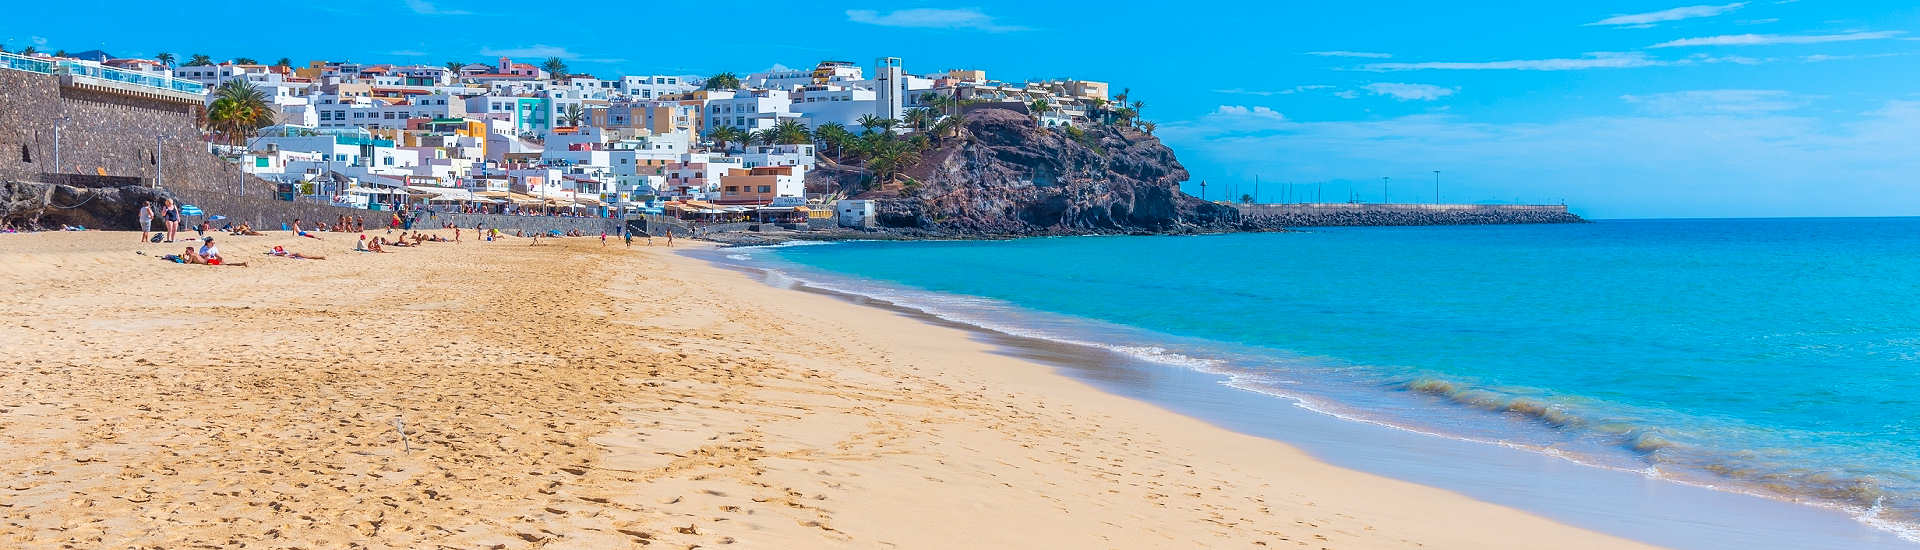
1340, 214
109, 138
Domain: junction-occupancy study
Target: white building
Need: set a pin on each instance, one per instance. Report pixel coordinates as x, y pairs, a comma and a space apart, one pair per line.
833, 103
749, 111
855, 213
888, 89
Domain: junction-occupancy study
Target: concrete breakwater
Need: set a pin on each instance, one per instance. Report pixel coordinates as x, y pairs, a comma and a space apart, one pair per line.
1344, 214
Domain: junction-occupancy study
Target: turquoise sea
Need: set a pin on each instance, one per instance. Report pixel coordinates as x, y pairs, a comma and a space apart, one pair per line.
1772, 357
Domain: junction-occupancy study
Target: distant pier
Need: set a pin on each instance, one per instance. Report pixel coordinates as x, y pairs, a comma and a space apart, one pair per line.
1357, 214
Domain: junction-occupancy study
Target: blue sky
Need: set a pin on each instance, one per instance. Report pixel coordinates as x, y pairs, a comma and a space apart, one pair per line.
1626, 109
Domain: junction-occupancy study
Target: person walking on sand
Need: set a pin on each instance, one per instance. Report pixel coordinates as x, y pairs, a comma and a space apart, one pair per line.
172, 215
626, 234
669, 236
603, 238
146, 220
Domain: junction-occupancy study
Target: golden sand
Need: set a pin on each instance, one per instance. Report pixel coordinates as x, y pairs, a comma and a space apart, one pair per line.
571, 396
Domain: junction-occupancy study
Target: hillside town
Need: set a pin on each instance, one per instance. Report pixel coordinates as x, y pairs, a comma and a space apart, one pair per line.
507, 136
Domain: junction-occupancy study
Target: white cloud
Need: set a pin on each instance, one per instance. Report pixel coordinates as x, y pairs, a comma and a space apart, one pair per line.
536, 50
932, 18
407, 53
39, 40
1731, 102
1777, 163
778, 68
1344, 53
1596, 60
1242, 112
1409, 92
1283, 91
1771, 39
1643, 20
1347, 94
423, 7
543, 50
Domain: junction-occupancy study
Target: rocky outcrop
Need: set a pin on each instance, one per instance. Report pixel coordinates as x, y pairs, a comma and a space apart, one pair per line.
1002, 175
34, 205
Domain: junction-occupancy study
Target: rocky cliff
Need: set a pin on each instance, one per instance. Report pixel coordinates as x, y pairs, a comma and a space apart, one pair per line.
1002, 175
35, 205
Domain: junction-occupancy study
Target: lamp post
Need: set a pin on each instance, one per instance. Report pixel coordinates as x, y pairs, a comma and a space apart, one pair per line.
1436, 187
56, 140
1383, 188
159, 158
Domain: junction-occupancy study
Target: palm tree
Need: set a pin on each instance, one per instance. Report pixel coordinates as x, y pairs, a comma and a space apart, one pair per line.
723, 134
573, 114
554, 67
245, 61
922, 119
1138, 106
1148, 126
59, 53
723, 81
834, 135
790, 132
1121, 98
238, 110
165, 59
884, 124
888, 157
1039, 108
285, 62
455, 66
199, 59
29, 51
949, 126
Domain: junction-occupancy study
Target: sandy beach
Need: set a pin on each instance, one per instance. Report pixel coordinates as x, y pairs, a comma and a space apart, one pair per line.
572, 396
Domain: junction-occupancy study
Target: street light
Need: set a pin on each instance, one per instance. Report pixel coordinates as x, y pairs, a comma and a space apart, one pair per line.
1436, 187
56, 140
1383, 188
159, 158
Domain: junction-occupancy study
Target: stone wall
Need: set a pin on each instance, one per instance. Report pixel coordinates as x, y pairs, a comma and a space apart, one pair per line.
111, 136
1328, 215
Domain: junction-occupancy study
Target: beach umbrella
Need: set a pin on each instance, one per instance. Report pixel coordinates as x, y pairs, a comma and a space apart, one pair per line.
191, 210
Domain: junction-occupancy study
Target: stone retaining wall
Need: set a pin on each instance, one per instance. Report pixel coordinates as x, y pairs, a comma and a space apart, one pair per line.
114, 138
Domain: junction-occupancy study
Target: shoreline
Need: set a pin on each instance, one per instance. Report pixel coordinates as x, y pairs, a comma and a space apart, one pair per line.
1756, 519
497, 393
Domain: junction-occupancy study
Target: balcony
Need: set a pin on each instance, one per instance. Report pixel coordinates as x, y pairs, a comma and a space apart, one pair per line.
89, 75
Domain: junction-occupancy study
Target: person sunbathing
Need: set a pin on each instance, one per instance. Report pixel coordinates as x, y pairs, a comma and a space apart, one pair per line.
246, 230
297, 231
210, 254
282, 252
373, 245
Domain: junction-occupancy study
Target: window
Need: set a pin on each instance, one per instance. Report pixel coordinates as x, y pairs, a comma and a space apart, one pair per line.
733, 189
766, 189
25, 155
260, 162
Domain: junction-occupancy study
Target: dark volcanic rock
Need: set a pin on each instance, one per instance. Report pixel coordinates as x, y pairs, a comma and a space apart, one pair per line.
1004, 176
49, 206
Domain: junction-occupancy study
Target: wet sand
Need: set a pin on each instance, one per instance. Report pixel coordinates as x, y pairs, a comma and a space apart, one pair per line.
567, 395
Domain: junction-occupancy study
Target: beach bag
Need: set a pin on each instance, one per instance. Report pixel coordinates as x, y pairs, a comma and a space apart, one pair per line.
156, 237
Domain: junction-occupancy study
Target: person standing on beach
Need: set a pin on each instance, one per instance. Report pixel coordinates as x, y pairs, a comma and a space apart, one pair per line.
172, 214
146, 220
669, 236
